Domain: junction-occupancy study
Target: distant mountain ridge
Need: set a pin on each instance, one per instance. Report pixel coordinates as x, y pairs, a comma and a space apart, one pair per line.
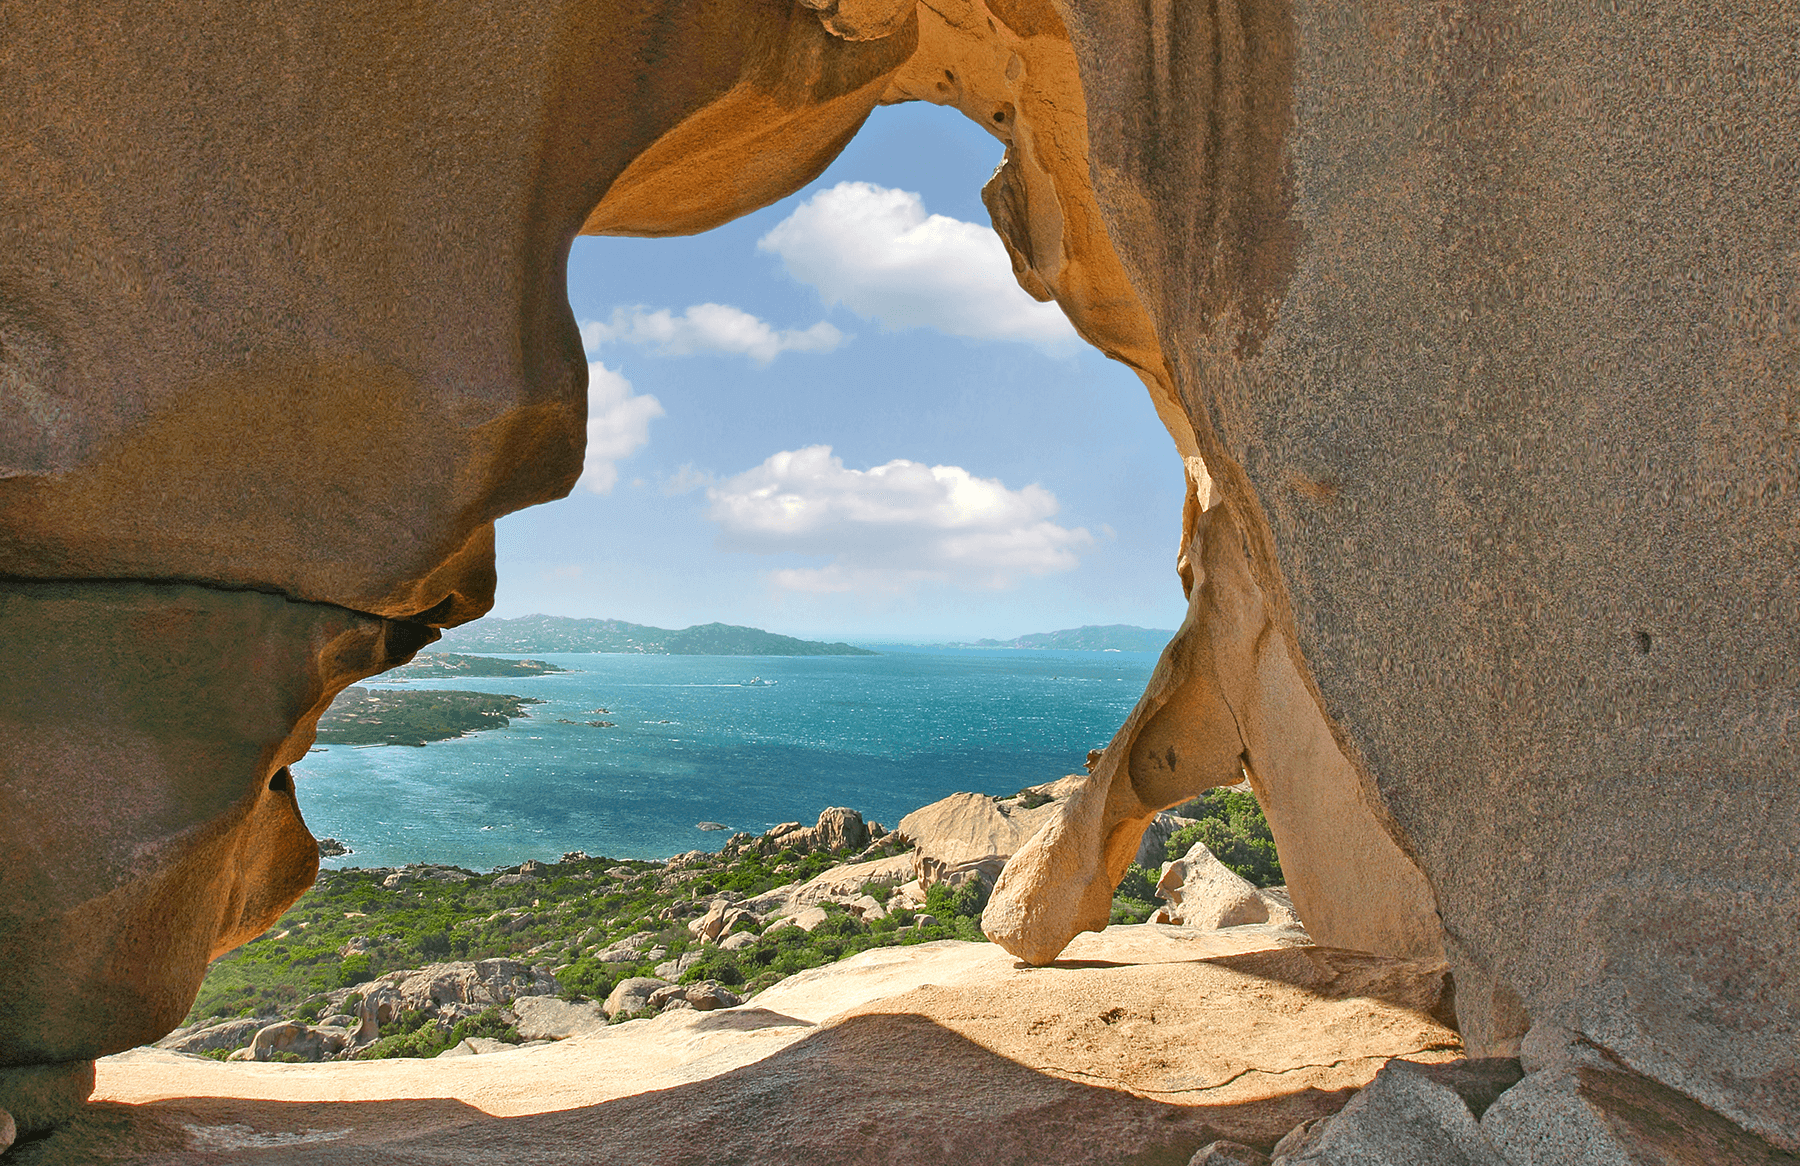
1112, 637
557, 633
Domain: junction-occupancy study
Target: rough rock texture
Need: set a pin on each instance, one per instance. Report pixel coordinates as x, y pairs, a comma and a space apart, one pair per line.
1225, 1152
1475, 324
1153, 850
229, 1034
308, 1042
837, 827
477, 984
631, 995
548, 1018
898, 1055
1492, 358
964, 830
1401, 1118
146, 811
1203, 892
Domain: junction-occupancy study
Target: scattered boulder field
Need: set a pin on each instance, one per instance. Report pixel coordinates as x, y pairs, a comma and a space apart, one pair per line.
728, 1000
436, 961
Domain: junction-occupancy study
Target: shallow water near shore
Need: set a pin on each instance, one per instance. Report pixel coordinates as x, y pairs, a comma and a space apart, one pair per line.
692, 742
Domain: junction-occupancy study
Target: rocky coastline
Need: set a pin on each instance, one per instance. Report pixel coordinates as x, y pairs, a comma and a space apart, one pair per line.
431, 960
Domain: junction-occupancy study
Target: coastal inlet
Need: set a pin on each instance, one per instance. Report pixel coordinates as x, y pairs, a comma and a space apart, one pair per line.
691, 741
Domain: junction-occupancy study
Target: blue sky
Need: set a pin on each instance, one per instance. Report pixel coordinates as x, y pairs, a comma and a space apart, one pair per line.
840, 417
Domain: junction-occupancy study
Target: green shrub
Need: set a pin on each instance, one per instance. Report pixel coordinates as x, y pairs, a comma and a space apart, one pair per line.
1139, 884
1131, 911
1233, 827
966, 901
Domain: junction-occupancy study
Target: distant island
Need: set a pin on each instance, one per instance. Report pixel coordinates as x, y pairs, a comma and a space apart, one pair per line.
555, 633
441, 665
362, 716
1112, 637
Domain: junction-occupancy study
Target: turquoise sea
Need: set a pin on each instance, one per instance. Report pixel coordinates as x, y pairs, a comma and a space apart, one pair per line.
883, 734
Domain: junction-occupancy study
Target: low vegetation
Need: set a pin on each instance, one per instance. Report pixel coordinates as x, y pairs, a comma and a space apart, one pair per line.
367, 716
1232, 825
593, 922
440, 665
355, 925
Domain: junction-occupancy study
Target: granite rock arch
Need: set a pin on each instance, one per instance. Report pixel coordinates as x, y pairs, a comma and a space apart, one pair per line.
1476, 326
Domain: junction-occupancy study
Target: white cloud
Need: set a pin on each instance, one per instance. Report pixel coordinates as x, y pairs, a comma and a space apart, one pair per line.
707, 328
892, 527
618, 426
876, 251
687, 479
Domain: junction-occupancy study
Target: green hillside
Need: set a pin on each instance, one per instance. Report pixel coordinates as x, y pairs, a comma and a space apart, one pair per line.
555, 633
1113, 637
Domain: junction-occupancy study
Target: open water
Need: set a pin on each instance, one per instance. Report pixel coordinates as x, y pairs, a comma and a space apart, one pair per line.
882, 734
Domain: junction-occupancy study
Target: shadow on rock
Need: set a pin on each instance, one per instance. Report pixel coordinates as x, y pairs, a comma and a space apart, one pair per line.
873, 1089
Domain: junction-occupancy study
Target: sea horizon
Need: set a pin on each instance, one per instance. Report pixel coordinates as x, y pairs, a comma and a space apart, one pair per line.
691, 741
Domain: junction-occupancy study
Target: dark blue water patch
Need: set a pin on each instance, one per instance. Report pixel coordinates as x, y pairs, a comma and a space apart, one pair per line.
691, 742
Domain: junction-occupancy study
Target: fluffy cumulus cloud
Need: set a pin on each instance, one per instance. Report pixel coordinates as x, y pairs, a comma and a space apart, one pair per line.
707, 328
878, 253
618, 426
892, 527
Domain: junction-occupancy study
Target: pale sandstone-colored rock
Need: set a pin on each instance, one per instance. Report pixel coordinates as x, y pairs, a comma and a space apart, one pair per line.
967, 828
1497, 583
1247, 1043
631, 995
838, 884
1202, 892
806, 919
1510, 464
838, 828
462, 988
158, 828
550, 1018
1225, 700
229, 1034
9, 1130
1153, 850
308, 1042
738, 941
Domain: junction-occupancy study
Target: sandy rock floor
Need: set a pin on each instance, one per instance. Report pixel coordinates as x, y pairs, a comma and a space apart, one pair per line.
1140, 1045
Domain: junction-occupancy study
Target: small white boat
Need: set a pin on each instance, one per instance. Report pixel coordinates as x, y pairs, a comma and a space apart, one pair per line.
758, 682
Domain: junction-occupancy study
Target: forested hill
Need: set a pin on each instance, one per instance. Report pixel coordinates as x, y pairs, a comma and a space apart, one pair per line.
555, 633
1115, 637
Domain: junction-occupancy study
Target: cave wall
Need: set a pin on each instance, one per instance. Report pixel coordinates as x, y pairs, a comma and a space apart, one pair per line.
1486, 316
1476, 325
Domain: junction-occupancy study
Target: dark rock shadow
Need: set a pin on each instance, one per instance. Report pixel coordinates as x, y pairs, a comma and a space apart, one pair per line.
870, 1091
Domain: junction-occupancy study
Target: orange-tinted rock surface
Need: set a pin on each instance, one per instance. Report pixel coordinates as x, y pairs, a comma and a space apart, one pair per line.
1476, 325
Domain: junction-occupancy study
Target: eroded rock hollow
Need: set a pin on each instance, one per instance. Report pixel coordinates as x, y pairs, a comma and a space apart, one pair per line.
1478, 328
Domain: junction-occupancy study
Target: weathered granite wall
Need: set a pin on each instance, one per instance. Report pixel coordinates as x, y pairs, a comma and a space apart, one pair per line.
1488, 317
1478, 326
283, 329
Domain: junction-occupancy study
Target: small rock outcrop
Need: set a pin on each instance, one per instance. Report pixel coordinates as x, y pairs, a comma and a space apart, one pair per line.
1152, 851
838, 828
228, 1034
292, 1040
632, 995
966, 831
550, 1018
1203, 892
